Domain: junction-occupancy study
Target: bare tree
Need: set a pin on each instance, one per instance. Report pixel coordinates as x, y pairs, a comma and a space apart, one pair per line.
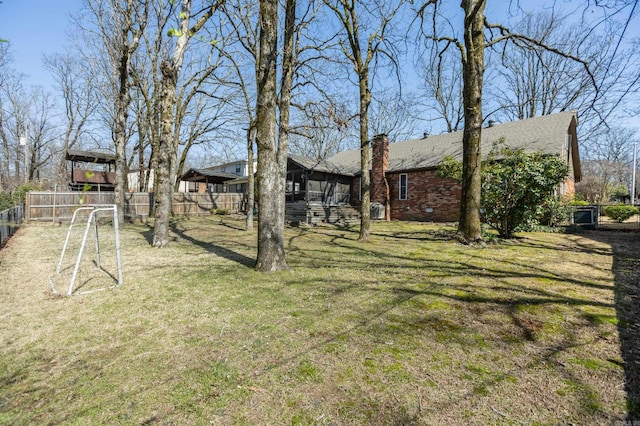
41, 136
79, 94
272, 145
540, 81
394, 114
473, 67
361, 48
472, 74
27, 134
4, 163
242, 56
607, 164
119, 26
323, 132
471, 51
168, 144
15, 112
442, 84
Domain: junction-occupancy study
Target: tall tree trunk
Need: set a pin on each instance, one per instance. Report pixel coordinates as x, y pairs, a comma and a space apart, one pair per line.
473, 71
142, 134
120, 131
284, 107
166, 155
250, 178
153, 164
164, 193
270, 234
168, 143
365, 155
4, 163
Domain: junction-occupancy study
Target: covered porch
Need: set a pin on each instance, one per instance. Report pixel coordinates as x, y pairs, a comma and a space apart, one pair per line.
317, 182
318, 192
91, 171
212, 181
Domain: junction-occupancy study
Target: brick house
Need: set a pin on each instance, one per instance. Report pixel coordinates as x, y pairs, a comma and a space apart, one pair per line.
227, 177
404, 184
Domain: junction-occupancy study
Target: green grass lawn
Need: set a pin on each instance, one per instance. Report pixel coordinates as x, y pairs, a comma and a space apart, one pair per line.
410, 328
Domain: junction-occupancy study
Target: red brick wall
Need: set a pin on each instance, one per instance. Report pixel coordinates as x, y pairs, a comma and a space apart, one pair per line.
425, 190
569, 188
379, 165
429, 197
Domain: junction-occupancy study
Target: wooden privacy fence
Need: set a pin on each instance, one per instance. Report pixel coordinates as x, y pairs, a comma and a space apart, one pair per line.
59, 206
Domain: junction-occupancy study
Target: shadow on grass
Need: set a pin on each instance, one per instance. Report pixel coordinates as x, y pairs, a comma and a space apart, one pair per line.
502, 296
218, 250
436, 287
626, 263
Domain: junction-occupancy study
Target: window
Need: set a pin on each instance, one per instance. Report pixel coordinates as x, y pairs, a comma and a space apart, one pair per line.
223, 169
237, 169
402, 187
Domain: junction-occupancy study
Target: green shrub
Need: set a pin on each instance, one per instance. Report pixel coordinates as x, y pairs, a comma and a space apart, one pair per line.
554, 211
579, 203
6, 202
619, 193
20, 193
515, 184
619, 212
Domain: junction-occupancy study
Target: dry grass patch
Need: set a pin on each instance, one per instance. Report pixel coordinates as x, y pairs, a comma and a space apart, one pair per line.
410, 328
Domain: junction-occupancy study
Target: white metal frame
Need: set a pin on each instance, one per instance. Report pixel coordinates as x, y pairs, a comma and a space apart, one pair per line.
90, 220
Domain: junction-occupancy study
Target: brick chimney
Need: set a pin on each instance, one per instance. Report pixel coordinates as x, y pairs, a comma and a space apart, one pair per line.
379, 165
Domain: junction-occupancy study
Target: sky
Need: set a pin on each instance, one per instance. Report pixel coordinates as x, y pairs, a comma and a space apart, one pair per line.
35, 28
38, 27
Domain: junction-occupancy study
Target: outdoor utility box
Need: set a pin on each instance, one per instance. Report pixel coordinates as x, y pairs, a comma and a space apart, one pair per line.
585, 217
377, 211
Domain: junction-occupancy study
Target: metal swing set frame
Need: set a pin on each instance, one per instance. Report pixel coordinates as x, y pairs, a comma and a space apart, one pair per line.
91, 223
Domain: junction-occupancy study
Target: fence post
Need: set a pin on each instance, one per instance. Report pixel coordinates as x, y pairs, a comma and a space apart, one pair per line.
27, 203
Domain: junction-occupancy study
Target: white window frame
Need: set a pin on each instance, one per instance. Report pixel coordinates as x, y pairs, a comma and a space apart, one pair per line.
401, 186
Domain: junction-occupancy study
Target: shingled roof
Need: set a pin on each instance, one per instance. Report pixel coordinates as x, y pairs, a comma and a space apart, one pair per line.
320, 165
208, 174
546, 133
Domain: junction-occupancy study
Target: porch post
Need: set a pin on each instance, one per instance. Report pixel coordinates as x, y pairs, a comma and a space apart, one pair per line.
306, 187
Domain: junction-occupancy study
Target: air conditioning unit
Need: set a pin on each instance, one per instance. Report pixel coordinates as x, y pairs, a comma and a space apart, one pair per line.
585, 217
377, 211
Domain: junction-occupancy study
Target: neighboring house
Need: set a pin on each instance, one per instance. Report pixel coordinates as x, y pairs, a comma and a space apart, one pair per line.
227, 177
142, 180
404, 182
91, 171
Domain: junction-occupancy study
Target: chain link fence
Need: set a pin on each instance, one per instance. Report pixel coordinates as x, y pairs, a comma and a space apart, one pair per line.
10, 221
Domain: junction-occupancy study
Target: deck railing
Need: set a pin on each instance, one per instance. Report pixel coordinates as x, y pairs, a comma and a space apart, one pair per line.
320, 197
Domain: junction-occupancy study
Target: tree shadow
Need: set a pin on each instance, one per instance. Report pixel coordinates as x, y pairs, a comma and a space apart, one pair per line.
218, 250
625, 247
377, 319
